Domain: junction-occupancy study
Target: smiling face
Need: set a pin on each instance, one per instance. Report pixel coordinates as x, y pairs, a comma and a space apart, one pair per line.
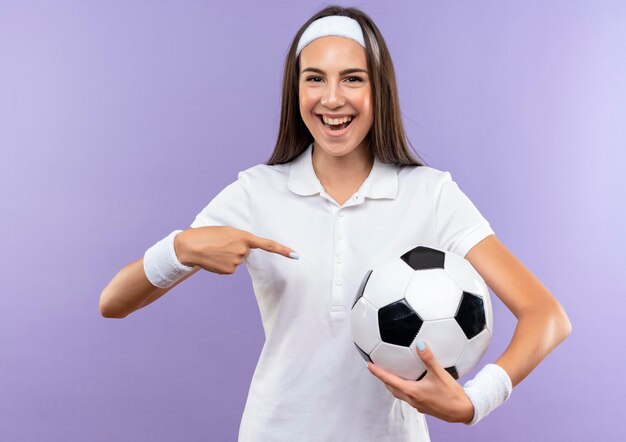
334, 82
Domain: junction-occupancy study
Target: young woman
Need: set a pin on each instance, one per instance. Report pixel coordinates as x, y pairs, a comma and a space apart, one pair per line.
342, 190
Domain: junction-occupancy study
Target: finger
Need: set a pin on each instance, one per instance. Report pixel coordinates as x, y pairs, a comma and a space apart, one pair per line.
427, 357
387, 377
258, 242
397, 393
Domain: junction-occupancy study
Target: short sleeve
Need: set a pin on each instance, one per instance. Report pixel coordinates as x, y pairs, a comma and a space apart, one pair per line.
459, 225
230, 207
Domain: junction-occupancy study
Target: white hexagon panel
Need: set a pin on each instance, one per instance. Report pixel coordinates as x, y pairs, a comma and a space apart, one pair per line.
387, 283
474, 351
398, 360
433, 294
364, 323
445, 338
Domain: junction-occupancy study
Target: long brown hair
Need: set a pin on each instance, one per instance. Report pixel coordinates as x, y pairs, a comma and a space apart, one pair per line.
386, 138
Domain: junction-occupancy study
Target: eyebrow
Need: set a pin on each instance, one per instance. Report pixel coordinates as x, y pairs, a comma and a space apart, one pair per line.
345, 71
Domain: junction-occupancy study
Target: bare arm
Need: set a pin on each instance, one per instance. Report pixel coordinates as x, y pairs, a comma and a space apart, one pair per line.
217, 249
130, 290
542, 324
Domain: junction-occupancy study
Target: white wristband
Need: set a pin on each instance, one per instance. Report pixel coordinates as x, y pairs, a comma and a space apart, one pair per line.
161, 264
490, 388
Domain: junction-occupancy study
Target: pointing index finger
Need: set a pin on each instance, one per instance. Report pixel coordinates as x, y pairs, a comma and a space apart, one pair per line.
258, 242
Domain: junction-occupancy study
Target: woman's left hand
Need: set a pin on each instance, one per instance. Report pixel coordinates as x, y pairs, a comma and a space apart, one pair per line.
437, 394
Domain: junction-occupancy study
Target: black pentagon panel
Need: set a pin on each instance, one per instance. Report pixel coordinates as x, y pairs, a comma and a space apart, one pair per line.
359, 293
398, 323
422, 258
471, 315
453, 372
422, 376
364, 355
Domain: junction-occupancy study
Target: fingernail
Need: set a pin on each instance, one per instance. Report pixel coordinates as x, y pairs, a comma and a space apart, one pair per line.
294, 255
421, 345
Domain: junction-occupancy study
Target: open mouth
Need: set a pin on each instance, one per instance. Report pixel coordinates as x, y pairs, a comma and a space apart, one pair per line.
336, 127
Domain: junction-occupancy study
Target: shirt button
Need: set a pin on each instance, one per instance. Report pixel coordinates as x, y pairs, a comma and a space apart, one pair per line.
340, 235
339, 260
341, 214
339, 281
356, 197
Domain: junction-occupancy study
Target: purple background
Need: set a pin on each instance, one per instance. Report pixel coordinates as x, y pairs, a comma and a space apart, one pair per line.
120, 120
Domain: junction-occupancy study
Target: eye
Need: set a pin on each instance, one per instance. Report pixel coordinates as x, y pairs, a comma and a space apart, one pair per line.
357, 79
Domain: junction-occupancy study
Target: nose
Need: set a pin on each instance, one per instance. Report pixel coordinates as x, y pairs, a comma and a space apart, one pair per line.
332, 96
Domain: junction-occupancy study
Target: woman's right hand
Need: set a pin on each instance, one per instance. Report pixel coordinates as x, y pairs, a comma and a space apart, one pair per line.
220, 249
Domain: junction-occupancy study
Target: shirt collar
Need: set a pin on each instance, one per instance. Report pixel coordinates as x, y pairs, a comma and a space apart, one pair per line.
382, 182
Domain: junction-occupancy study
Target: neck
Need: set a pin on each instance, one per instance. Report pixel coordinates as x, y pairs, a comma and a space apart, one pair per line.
345, 171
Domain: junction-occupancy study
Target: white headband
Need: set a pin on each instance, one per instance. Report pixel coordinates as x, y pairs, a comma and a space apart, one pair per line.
332, 25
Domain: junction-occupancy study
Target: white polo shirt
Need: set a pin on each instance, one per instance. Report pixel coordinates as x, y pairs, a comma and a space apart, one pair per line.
310, 383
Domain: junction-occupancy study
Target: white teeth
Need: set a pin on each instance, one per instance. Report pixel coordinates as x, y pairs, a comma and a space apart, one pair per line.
335, 121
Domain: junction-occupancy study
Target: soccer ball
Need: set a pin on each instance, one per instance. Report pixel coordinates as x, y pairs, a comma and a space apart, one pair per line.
428, 294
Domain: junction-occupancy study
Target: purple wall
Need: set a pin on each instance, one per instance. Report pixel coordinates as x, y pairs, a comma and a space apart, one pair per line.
120, 120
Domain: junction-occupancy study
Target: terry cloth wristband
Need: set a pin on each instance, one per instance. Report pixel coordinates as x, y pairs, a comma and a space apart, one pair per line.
161, 264
490, 388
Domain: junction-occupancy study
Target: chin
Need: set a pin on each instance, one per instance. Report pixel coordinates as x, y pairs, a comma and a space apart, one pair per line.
337, 148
